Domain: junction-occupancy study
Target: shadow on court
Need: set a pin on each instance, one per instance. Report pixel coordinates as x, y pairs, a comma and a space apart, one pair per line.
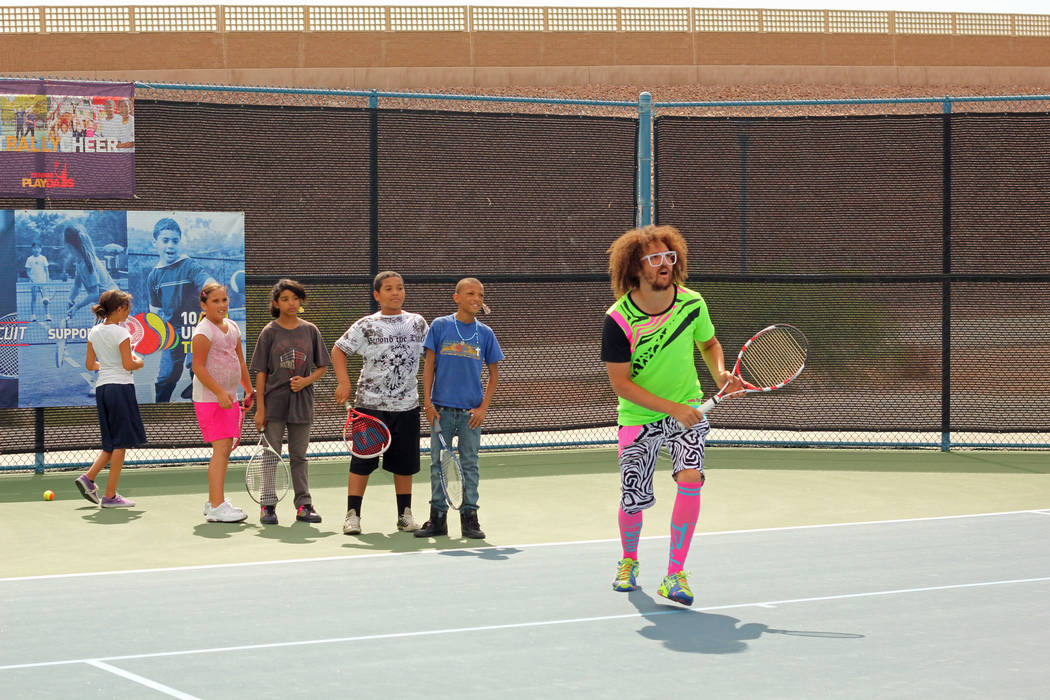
405, 542
490, 554
110, 516
295, 533
220, 531
694, 632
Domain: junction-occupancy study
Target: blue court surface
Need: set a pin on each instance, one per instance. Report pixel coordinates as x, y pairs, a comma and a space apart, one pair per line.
943, 607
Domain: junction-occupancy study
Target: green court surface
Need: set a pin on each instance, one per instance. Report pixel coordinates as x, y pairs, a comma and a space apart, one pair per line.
526, 497
817, 573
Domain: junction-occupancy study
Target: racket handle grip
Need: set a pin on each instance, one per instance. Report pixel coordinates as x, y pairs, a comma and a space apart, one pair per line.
706, 406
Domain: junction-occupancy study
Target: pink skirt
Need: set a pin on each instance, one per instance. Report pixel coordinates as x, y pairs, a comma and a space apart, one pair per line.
218, 423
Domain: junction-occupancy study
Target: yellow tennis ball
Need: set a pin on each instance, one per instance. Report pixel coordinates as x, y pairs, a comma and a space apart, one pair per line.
49, 495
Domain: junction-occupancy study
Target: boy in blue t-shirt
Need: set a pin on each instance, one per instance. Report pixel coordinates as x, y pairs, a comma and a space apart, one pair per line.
455, 349
174, 286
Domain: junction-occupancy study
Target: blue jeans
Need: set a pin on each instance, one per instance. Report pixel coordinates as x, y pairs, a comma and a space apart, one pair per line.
454, 421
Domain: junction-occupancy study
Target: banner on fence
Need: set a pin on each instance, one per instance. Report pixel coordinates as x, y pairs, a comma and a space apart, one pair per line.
66, 139
58, 262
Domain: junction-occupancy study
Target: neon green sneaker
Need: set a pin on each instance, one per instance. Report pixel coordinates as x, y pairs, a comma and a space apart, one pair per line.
626, 575
675, 587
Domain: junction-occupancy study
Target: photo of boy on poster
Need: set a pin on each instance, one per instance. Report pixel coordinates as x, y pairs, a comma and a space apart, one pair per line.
172, 255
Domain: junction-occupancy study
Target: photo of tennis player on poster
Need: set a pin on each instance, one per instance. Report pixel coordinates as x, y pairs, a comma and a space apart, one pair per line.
172, 255
64, 260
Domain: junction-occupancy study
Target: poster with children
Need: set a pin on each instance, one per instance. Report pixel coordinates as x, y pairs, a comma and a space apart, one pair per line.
67, 139
61, 262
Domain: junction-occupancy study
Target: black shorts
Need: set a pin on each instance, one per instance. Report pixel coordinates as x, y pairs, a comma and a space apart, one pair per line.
402, 457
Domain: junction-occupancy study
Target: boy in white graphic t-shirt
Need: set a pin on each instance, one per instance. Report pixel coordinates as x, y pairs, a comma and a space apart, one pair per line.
391, 343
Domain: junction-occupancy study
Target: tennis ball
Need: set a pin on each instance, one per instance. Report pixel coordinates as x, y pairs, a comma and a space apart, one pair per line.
49, 495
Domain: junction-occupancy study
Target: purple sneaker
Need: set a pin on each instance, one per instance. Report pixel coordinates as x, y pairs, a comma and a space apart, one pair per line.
88, 488
117, 501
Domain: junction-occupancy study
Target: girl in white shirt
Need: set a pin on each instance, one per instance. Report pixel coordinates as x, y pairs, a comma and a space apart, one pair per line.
109, 352
218, 367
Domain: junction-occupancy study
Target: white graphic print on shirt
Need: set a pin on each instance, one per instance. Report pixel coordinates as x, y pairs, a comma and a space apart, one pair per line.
391, 347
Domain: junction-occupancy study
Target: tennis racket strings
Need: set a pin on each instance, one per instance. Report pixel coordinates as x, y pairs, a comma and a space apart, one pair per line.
774, 357
368, 436
265, 476
450, 476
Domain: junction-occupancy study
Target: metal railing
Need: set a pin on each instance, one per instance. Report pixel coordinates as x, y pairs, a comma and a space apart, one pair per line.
466, 18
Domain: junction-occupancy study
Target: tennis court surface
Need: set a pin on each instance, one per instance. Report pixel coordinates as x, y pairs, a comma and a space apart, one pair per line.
833, 573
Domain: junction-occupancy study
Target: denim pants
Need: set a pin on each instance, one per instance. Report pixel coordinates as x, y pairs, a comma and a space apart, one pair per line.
454, 421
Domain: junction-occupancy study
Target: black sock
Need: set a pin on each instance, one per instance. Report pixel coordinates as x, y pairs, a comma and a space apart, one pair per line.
354, 503
404, 500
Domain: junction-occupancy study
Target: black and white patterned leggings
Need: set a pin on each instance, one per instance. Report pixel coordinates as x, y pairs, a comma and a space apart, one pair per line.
639, 447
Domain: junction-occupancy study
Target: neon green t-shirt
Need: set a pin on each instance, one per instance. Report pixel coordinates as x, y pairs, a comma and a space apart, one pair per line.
659, 348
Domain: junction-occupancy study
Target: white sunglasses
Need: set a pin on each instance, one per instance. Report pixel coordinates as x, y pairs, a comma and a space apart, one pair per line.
657, 259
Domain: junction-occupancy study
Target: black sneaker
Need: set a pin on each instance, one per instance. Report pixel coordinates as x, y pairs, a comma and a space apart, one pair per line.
307, 514
268, 515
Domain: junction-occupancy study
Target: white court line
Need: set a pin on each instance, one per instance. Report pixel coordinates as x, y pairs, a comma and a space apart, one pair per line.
522, 625
533, 545
160, 687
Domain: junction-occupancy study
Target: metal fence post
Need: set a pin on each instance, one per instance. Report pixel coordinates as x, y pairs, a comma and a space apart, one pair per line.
645, 160
946, 284
373, 190
38, 438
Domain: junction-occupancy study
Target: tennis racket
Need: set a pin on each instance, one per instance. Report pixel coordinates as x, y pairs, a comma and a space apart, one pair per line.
60, 343
769, 360
365, 436
267, 475
136, 329
451, 471
246, 404
9, 351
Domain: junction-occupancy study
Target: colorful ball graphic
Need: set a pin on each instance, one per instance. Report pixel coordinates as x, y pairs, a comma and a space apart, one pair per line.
164, 330
157, 334
150, 341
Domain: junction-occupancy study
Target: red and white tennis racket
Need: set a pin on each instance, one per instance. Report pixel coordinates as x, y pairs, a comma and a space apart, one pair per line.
246, 404
136, 329
365, 436
772, 357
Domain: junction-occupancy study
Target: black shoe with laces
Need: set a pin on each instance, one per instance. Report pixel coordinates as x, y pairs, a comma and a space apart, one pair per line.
437, 525
307, 514
468, 523
268, 515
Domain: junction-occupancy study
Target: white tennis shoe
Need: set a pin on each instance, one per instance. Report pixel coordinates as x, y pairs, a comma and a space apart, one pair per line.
225, 513
405, 521
352, 524
207, 507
